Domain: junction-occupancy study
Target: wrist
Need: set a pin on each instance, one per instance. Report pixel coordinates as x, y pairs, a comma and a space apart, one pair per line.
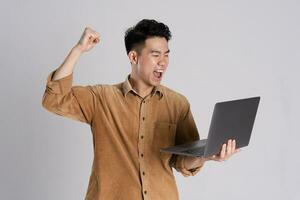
77, 49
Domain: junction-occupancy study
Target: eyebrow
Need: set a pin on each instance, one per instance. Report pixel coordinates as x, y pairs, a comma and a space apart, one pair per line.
156, 51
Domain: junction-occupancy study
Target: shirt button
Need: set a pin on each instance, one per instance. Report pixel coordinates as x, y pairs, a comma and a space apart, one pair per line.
144, 101
144, 173
143, 118
145, 192
142, 155
142, 137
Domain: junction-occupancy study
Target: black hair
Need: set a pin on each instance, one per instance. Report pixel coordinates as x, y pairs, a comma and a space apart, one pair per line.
147, 28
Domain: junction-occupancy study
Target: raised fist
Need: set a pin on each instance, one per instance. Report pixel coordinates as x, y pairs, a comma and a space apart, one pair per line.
88, 40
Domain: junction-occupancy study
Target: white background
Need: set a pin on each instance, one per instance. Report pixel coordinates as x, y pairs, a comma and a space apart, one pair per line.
221, 50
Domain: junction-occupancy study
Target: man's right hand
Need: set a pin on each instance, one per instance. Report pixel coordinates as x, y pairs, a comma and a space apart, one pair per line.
88, 40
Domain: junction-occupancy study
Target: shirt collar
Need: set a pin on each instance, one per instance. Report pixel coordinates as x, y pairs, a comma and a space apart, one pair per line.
126, 88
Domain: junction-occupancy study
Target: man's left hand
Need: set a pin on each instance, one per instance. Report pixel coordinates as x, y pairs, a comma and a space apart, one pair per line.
226, 152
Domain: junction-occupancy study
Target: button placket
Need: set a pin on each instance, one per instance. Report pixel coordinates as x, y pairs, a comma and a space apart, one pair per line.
141, 145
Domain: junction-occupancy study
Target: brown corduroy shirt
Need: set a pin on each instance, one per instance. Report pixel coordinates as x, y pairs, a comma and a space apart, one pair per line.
128, 132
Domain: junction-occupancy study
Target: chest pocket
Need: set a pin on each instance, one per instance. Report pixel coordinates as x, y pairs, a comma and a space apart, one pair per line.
164, 134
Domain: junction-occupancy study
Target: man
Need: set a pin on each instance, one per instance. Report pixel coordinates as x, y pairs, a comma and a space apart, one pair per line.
131, 121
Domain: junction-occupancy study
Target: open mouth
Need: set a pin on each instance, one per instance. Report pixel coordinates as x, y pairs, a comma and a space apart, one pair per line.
158, 74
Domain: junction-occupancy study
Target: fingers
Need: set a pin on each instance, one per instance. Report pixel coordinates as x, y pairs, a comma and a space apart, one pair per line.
234, 149
229, 148
223, 152
233, 146
92, 35
88, 39
227, 151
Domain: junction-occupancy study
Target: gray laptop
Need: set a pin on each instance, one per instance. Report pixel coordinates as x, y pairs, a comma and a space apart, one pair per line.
230, 120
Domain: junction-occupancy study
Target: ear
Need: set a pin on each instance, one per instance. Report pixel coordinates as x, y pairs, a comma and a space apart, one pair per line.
133, 57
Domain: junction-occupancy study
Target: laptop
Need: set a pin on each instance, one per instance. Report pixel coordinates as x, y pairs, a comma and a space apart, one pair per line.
230, 120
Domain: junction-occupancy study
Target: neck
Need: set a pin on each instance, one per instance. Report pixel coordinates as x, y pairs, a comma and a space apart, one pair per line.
141, 88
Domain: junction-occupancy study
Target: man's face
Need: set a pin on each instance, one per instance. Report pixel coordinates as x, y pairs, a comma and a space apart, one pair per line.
152, 61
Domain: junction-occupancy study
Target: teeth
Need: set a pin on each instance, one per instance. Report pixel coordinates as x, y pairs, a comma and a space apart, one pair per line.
159, 70
157, 74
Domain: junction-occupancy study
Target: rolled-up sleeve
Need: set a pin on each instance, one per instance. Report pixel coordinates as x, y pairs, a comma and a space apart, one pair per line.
179, 166
186, 132
75, 102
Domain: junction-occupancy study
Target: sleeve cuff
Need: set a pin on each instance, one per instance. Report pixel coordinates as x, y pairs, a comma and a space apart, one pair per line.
179, 166
60, 86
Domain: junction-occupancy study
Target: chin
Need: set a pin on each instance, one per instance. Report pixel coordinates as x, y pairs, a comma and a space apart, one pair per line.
155, 83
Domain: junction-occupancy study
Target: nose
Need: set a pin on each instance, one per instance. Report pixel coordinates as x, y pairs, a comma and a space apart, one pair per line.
163, 62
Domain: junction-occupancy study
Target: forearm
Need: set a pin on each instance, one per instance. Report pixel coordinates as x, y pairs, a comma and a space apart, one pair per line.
67, 66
